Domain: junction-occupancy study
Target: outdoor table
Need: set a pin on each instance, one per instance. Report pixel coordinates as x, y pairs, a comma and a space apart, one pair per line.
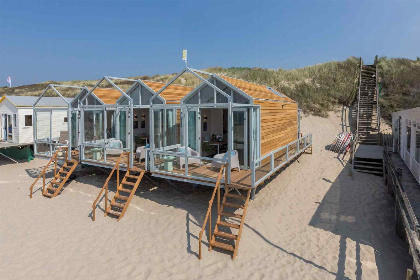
168, 164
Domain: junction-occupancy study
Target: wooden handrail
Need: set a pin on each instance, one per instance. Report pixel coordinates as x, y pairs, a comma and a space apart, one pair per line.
208, 215
42, 174
105, 186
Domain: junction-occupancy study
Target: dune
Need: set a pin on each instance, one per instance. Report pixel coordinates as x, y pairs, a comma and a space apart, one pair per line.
310, 221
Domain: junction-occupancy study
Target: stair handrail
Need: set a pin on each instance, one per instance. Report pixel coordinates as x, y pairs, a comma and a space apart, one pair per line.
53, 158
105, 186
208, 214
358, 95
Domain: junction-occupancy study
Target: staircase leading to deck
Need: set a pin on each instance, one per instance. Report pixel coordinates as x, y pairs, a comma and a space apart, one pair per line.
367, 107
228, 230
125, 192
60, 178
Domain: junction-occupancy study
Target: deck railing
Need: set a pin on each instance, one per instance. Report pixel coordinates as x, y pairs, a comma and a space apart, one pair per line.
208, 214
282, 155
105, 186
411, 224
182, 161
54, 159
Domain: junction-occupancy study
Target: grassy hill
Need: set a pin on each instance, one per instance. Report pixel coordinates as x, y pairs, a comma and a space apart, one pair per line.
318, 88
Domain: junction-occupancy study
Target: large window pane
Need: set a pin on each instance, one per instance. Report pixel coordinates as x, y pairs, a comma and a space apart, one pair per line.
418, 146
93, 121
43, 123
408, 138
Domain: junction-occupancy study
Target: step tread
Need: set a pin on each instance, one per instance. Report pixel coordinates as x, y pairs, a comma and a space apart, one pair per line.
128, 183
222, 245
116, 204
226, 235
132, 176
235, 195
112, 212
124, 190
121, 197
233, 215
233, 205
226, 224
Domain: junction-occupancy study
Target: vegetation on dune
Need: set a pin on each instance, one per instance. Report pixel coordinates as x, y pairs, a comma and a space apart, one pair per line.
318, 88
400, 83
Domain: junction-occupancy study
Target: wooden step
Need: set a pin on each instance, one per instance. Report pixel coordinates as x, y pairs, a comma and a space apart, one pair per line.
60, 177
124, 190
238, 187
121, 197
128, 183
233, 215
112, 212
235, 195
48, 195
117, 204
223, 246
132, 176
225, 235
51, 188
233, 205
226, 224
63, 171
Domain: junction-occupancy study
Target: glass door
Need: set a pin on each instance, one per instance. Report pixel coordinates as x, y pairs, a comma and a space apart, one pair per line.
240, 135
123, 127
194, 129
9, 128
4, 127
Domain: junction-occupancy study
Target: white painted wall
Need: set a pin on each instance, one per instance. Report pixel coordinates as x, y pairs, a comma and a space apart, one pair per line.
6, 107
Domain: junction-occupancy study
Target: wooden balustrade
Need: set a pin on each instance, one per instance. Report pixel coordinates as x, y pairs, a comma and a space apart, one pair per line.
105, 186
42, 174
208, 215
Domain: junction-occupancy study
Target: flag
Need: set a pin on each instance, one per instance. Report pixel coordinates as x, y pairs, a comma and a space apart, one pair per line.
184, 55
9, 80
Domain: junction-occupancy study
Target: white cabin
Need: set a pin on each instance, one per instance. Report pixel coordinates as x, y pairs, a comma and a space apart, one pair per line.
16, 117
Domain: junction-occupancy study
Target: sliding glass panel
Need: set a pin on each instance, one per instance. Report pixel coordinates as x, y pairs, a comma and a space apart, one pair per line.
59, 132
240, 137
123, 128
93, 126
418, 146
192, 130
74, 130
157, 128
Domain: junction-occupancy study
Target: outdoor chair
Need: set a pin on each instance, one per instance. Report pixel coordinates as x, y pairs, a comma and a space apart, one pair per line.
234, 161
190, 152
114, 147
141, 153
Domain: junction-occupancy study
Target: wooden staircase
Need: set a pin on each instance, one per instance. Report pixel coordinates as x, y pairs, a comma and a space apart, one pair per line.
367, 106
228, 229
60, 178
124, 194
125, 190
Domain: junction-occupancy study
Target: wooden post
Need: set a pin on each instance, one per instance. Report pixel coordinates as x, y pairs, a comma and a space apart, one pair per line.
55, 165
43, 184
106, 197
210, 237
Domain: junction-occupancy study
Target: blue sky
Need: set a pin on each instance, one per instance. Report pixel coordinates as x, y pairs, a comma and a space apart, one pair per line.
69, 40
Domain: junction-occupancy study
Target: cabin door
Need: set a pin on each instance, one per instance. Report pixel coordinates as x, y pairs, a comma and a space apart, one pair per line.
194, 129
240, 135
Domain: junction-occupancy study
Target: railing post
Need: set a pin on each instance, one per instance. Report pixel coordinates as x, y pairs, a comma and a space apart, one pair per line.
272, 162
55, 164
209, 237
43, 184
287, 153
218, 196
106, 197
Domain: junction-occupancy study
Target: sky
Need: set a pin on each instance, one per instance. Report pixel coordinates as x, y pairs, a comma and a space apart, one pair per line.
81, 40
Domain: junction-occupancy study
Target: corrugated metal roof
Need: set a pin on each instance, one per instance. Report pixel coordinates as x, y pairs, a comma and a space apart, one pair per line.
256, 91
28, 101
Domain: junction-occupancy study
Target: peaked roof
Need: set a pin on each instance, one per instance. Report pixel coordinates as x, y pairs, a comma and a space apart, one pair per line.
28, 101
256, 91
173, 93
108, 96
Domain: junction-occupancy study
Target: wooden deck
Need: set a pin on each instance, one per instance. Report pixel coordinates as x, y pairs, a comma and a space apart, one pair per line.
111, 160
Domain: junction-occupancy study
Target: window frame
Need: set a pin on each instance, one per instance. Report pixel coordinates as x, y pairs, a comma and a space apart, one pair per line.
32, 121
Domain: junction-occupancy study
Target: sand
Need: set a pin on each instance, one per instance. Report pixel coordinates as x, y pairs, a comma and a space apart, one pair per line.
311, 221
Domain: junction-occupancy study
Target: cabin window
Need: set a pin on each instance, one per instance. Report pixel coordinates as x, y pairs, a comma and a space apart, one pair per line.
28, 120
65, 119
417, 156
14, 120
408, 138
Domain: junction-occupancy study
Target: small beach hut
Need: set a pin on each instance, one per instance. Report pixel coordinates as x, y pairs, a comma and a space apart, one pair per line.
252, 127
16, 113
406, 138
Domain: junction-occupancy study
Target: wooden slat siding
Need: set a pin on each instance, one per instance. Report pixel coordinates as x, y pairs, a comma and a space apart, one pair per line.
278, 125
255, 90
172, 94
107, 95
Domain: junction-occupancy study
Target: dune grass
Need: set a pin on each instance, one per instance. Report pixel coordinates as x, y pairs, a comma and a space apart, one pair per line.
318, 88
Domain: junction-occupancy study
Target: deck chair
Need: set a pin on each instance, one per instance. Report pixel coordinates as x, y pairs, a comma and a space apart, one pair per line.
191, 152
234, 161
141, 153
114, 147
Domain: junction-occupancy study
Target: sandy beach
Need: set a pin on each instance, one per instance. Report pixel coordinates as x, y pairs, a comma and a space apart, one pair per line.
310, 221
